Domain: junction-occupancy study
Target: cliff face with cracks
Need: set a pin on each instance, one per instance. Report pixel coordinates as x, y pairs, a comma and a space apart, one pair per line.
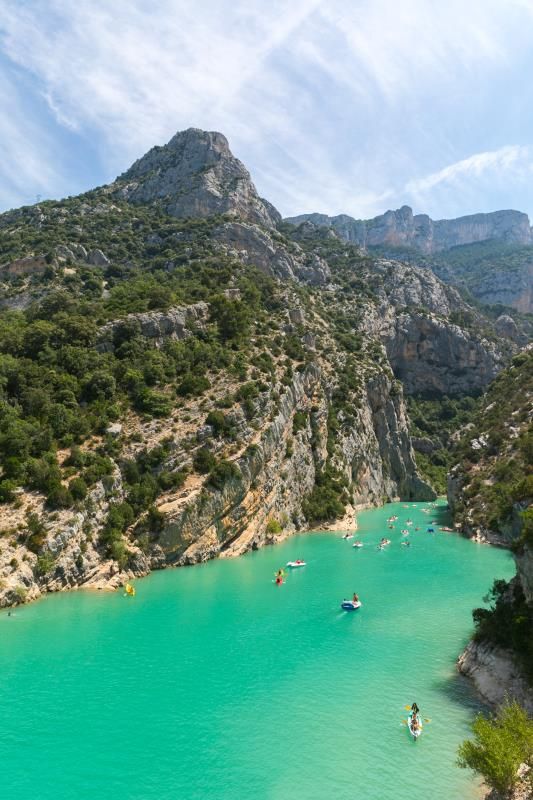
273, 475
402, 228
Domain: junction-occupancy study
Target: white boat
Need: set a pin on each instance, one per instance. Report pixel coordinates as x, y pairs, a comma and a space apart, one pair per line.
357, 544
405, 532
347, 535
294, 564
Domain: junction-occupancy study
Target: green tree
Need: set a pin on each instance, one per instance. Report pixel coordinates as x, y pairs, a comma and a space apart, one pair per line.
501, 743
232, 317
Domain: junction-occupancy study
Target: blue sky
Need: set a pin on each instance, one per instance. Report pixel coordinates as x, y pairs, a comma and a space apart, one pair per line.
350, 106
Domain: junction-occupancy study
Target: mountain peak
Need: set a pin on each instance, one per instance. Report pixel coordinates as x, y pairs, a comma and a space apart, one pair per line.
196, 175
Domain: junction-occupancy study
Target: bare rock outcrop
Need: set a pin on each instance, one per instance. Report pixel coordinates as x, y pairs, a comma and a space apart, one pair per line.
195, 175
495, 674
256, 246
176, 323
29, 265
433, 356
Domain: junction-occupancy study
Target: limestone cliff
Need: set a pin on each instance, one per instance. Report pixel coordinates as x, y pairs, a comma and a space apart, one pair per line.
195, 175
274, 471
488, 255
403, 229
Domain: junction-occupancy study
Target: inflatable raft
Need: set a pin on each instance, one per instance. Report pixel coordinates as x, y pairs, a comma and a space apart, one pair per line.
349, 605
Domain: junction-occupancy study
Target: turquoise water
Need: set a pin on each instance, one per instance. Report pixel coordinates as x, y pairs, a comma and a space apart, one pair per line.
215, 683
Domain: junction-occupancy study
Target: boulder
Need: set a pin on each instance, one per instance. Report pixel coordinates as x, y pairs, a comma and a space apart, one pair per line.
97, 258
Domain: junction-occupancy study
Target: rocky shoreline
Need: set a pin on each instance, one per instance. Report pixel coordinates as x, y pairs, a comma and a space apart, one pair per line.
495, 674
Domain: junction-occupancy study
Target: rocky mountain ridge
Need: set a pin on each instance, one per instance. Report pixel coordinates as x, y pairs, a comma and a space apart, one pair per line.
403, 229
488, 256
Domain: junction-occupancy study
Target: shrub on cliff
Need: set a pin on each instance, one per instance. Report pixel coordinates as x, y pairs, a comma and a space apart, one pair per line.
326, 500
507, 623
500, 745
221, 473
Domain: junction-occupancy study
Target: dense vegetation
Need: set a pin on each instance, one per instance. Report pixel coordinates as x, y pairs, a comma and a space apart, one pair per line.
438, 420
501, 744
496, 452
59, 393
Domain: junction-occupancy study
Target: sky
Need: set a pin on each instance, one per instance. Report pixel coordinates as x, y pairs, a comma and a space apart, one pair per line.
336, 106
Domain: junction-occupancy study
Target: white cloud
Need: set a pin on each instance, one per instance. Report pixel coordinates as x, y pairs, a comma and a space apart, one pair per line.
504, 160
30, 163
329, 103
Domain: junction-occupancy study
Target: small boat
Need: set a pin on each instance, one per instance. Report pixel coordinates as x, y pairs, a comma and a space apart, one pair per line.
430, 530
409, 522
446, 530
405, 532
129, 590
297, 563
406, 544
384, 542
358, 544
347, 535
350, 605
415, 732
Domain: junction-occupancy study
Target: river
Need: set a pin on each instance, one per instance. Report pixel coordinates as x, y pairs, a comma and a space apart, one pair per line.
213, 682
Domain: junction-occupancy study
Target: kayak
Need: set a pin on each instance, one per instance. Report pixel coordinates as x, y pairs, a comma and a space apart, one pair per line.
414, 733
349, 605
357, 544
348, 536
294, 564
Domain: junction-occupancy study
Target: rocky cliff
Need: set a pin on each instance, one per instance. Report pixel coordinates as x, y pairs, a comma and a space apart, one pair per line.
490, 491
488, 255
403, 229
496, 675
195, 175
